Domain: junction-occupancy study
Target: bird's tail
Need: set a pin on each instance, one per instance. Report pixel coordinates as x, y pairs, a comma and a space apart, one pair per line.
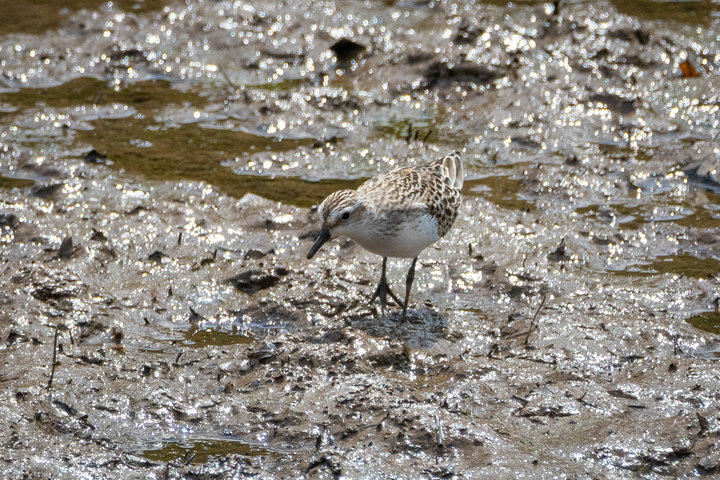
453, 168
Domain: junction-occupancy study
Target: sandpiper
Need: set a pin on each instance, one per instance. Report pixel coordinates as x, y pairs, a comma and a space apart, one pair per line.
397, 214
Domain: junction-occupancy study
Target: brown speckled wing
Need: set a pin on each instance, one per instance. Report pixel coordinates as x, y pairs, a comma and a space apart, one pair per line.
422, 187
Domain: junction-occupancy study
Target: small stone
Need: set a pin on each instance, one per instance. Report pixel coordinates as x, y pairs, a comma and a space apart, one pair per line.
93, 156
615, 103
253, 281
559, 253
346, 49
464, 72
156, 256
98, 236
9, 220
709, 462
45, 191
66, 249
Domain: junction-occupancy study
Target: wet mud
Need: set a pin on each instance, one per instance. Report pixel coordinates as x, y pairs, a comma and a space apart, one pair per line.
158, 168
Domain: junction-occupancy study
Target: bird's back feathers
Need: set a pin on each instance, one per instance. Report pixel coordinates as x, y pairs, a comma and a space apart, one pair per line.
433, 188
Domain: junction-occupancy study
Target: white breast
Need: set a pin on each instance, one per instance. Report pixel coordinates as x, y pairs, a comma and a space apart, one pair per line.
407, 240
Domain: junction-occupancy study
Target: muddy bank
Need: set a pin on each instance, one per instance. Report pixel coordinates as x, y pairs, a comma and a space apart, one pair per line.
196, 340
154, 222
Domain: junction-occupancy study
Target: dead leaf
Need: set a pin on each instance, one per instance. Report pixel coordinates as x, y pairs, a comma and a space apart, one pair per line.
688, 70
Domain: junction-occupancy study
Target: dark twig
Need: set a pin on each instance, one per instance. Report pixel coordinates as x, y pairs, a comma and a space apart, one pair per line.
715, 137
556, 8
532, 323
54, 356
227, 79
581, 401
704, 425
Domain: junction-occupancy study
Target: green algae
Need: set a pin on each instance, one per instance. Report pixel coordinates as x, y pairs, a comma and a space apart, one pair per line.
199, 451
503, 190
208, 337
139, 144
37, 16
8, 182
686, 264
706, 321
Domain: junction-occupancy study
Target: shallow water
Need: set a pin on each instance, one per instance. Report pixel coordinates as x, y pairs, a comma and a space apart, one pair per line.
566, 326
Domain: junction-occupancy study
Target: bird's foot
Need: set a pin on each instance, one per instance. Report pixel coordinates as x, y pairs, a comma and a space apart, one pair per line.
382, 292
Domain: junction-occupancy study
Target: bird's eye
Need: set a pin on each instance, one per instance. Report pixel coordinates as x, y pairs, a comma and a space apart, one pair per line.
345, 215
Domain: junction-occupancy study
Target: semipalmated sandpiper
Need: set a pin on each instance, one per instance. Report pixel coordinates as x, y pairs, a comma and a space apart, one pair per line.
396, 214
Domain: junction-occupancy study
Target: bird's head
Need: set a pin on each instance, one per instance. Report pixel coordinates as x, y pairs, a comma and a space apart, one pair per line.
339, 213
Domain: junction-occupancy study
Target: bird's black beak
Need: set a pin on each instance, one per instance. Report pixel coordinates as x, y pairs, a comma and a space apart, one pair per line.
322, 237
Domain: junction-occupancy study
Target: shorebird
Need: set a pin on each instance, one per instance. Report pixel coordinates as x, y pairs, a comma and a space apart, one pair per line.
397, 214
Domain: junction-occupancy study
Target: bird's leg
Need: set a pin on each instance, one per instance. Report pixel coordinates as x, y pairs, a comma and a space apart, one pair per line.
383, 290
408, 286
